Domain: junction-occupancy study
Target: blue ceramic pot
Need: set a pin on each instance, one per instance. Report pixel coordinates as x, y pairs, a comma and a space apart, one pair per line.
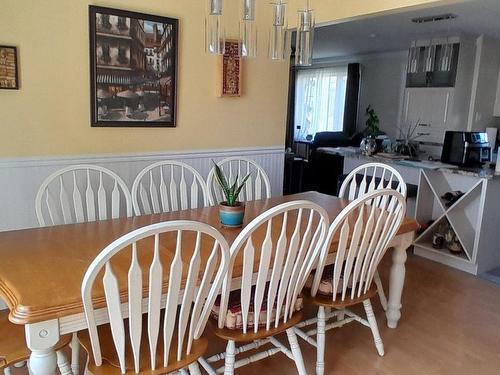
232, 216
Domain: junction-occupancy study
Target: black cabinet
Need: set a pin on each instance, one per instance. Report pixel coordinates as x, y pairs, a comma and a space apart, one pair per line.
418, 74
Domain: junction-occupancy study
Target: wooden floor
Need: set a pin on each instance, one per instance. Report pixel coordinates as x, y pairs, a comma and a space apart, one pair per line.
450, 325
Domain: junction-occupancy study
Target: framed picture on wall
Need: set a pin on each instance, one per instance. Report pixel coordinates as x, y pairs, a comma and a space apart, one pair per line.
229, 71
8, 68
133, 68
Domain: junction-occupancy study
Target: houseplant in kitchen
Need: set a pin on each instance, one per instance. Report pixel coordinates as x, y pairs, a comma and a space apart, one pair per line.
231, 211
368, 144
408, 144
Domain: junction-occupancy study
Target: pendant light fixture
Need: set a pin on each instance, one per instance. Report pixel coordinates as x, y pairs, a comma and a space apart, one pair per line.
446, 56
305, 37
278, 35
430, 56
248, 29
215, 38
413, 55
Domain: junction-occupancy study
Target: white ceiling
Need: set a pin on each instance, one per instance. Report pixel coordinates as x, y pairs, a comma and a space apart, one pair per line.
394, 32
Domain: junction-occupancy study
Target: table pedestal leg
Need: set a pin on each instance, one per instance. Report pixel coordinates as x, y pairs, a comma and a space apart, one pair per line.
41, 339
397, 278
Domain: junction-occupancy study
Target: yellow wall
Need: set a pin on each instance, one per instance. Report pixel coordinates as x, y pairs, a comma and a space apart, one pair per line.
50, 114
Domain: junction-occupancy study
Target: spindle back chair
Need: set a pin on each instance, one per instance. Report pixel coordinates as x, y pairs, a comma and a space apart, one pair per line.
386, 175
168, 186
286, 241
363, 232
82, 193
186, 305
256, 187
388, 178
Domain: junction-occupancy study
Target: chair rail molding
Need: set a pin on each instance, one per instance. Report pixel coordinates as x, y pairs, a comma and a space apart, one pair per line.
20, 178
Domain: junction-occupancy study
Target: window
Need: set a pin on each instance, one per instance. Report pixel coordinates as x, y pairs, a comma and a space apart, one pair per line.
319, 101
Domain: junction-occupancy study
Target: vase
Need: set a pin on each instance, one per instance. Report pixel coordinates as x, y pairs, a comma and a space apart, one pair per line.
368, 146
231, 216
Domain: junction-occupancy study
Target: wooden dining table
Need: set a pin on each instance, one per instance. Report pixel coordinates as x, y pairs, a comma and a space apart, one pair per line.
41, 269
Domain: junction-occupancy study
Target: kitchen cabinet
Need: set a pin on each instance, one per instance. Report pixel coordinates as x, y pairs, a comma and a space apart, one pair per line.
430, 108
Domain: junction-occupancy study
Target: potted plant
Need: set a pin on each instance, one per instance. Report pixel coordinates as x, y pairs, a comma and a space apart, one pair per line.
372, 122
368, 144
407, 144
231, 211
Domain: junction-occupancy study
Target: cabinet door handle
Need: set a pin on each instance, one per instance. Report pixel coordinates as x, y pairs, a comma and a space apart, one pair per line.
446, 107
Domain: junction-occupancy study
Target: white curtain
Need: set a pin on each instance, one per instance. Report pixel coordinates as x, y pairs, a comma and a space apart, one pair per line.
319, 101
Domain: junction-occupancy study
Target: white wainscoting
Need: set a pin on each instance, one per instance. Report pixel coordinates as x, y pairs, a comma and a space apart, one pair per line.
21, 177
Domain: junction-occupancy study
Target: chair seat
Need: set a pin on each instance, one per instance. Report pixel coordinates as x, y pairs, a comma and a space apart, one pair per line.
234, 317
239, 336
13, 347
327, 301
111, 364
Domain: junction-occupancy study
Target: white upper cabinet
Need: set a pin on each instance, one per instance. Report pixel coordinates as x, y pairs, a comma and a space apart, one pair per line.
430, 108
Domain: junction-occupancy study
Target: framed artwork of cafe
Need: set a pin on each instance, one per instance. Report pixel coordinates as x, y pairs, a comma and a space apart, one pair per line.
133, 68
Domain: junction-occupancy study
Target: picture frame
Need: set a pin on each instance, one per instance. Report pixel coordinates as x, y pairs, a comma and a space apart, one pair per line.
229, 71
133, 68
9, 70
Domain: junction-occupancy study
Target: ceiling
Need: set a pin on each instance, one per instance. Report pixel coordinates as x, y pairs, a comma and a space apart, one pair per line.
393, 32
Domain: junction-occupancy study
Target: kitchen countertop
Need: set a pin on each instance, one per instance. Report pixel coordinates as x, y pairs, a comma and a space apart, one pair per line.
353, 152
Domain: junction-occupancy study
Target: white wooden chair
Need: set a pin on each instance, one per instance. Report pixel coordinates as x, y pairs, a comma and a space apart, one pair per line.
256, 187
293, 232
365, 179
195, 274
77, 194
363, 230
82, 193
168, 186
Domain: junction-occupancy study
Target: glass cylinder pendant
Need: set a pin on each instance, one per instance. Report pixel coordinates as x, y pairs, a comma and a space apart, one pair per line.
430, 56
305, 37
215, 38
446, 57
413, 55
248, 30
278, 35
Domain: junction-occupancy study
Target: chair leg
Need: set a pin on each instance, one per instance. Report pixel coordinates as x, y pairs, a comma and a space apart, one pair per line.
194, 369
380, 290
374, 327
75, 354
230, 358
63, 363
320, 342
7, 371
297, 354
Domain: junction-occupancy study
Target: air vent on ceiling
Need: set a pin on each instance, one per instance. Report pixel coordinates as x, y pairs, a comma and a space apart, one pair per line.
440, 17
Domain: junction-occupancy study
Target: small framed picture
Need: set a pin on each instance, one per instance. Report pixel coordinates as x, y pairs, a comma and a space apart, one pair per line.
8, 68
133, 62
229, 71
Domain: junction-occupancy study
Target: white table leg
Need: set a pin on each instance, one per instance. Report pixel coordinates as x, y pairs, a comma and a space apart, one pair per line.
41, 339
397, 278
